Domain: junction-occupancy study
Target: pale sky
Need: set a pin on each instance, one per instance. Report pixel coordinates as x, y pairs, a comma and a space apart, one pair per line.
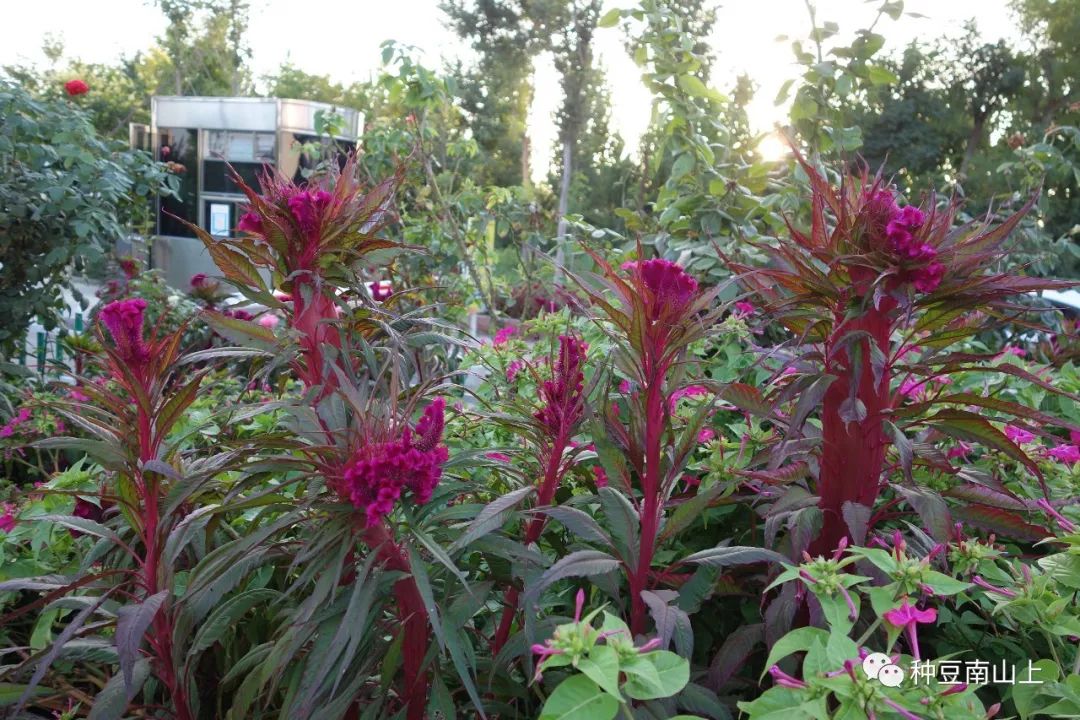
341, 38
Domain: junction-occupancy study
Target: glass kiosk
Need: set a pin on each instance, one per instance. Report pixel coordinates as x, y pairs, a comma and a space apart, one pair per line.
198, 136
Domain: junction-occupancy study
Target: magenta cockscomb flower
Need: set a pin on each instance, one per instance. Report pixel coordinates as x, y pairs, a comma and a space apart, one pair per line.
926, 279
308, 207
563, 394
744, 308
670, 288
250, 222
504, 335
907, 617
124, 320
1018, 435
380, 471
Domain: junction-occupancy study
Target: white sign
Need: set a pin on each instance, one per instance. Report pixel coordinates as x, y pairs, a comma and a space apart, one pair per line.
220, 219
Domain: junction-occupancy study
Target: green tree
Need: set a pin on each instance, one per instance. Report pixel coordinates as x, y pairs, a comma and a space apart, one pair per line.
66, 194
496, 92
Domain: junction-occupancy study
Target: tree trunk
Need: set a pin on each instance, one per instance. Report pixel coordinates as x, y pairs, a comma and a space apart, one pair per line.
564, 202
974, 138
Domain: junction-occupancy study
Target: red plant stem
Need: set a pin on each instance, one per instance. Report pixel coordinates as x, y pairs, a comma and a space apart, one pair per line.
413, 617
548, 486
311, 322
651, 494
853, 453
161, 640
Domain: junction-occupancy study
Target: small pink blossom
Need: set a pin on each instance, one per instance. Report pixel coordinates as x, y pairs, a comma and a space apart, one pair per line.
1063, 522
513, 369
77, 396
907, 616
1018, 435
1067, 454
600, 476
782, 679
706, 435
198, 280
912, 387
7, 518
624, 387
503, 335
688, 391
744, 308
380, 290
1014, 351
269, 320
962, 450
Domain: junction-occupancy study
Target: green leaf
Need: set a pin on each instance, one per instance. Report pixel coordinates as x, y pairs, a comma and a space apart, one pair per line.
578, 698
880, 76
672, 674
610, 19
112, 701
582, 563
492, 517
602, 667
1023, 694
693, 86
795, 641
226, 616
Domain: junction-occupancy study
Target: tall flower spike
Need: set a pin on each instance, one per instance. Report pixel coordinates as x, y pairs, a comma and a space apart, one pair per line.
124, 321
563, 393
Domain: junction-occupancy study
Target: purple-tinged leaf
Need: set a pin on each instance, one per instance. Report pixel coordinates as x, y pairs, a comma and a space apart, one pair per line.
1002, 522
734, 555
132, 621
731, 656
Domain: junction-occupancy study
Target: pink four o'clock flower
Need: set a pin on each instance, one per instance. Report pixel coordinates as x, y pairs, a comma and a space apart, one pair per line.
7, 517
1018, 435
1068, 454
907, 616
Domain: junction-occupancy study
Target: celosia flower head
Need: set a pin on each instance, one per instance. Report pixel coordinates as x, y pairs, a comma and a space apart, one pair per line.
562, 395
250, 222
669, 288
308, 207
380, 472
124, 321
7, 517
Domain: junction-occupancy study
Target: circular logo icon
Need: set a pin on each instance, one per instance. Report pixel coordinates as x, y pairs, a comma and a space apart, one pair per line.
891, 676
873, 663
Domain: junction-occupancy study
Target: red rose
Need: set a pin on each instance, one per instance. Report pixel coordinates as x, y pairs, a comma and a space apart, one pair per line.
76, 87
